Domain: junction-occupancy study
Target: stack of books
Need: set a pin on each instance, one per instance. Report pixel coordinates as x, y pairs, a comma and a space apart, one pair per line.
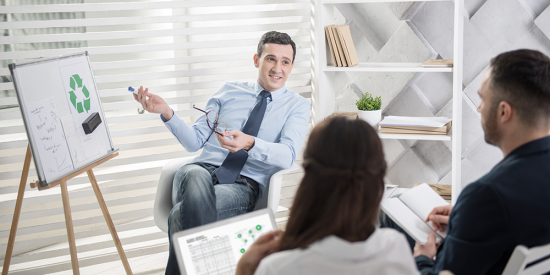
341, 46
415, 125
438, 63
352, 115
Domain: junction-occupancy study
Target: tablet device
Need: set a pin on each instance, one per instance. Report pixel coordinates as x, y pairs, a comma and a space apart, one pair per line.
216, 248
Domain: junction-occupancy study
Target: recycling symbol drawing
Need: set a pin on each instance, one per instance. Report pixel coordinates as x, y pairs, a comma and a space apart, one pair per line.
81, 102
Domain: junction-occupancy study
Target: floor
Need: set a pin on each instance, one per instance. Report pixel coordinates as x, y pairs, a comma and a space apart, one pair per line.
145, 246
151, 264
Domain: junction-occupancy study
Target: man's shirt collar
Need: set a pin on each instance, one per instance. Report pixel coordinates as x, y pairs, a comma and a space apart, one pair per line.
535, 146
274, 95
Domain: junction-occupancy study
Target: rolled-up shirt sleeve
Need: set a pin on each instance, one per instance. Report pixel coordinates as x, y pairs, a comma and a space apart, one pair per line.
192, 138
283, 153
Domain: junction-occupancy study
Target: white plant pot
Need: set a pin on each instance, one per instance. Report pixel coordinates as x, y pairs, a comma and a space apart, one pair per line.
371, 117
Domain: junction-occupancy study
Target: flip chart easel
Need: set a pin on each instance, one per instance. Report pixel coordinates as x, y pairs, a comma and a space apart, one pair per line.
57, 97
67, 209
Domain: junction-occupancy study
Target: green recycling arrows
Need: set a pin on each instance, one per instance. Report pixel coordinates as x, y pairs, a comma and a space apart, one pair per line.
80, 106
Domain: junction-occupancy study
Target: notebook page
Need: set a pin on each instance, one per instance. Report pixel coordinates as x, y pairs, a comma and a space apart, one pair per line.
408, 220
422, 199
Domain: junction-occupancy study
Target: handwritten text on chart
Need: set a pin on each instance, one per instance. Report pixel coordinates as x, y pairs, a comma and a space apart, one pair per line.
49, 139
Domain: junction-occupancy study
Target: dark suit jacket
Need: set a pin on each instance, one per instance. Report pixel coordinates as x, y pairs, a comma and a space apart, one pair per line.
507, 207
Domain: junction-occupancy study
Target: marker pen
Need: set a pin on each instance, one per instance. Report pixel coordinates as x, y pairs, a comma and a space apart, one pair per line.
130, 89
140, 110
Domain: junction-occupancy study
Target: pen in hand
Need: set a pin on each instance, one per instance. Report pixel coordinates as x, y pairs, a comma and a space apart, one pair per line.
140, 110
130, 89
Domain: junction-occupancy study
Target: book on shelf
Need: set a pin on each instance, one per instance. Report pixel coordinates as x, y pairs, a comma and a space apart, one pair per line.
438, 63
443, 190
411, 209
338, 32
352, 115
330, 40
336, 37
342, 49
415, 125
347, 45
335, 47
385, 130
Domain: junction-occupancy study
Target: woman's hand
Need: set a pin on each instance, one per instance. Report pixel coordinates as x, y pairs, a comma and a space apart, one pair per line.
261, 248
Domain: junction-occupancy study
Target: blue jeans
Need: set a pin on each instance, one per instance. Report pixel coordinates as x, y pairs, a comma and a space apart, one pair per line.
199, 199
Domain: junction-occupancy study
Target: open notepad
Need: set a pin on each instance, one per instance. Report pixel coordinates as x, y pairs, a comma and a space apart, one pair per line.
411, 209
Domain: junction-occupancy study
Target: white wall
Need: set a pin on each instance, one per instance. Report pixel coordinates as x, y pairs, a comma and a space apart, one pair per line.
414, 32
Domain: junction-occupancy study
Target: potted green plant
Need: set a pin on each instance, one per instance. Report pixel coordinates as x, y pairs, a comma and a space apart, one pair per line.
369, 109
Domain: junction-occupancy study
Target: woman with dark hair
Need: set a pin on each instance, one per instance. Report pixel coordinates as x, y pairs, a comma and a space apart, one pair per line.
332, 224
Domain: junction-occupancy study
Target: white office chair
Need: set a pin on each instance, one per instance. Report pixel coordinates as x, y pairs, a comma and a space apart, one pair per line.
163, 198
523, 256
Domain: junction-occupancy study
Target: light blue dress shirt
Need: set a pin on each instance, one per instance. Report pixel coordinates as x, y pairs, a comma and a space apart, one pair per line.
280, 138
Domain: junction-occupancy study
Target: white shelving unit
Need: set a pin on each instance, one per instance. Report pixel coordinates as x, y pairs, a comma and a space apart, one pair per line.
324, 93
387, 67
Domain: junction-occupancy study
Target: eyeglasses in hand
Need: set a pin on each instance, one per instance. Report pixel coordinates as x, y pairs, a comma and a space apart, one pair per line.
212, 121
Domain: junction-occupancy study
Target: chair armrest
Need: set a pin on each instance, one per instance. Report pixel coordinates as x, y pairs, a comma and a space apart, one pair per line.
275, 187
163, 198
517, 261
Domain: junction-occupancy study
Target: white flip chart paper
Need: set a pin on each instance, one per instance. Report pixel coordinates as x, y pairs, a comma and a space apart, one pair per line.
47, 127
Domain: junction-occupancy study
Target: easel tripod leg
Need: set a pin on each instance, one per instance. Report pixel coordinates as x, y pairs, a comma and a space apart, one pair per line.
17, 211
70, 230
109, 222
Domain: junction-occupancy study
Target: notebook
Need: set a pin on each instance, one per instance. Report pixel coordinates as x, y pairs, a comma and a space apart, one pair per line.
411, 209
216, 248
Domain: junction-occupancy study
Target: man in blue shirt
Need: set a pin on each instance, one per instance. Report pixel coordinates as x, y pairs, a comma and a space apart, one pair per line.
250, 128
508, 206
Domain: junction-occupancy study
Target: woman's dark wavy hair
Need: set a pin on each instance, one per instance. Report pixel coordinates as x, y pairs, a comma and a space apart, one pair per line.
342, 186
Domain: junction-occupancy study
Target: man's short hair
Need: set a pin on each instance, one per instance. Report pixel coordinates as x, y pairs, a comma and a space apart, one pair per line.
275, 37
522, 78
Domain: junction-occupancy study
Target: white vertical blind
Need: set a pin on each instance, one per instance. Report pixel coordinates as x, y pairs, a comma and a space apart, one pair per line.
182, 50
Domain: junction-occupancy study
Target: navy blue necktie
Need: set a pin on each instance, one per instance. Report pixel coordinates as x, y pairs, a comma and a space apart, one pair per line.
234, 162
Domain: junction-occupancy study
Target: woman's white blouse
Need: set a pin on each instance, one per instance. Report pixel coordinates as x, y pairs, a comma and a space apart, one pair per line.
386, 251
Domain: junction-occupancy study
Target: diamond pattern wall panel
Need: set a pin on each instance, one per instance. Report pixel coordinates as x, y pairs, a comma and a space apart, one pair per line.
414, 32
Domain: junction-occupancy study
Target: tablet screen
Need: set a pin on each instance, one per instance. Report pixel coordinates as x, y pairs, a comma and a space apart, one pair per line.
217, 250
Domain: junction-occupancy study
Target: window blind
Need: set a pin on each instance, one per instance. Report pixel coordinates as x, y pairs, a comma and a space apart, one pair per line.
181, 50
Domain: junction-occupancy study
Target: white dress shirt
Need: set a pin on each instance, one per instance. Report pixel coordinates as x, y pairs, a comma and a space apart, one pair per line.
386, 251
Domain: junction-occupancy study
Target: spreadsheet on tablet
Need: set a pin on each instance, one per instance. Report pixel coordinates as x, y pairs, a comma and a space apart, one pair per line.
217, 250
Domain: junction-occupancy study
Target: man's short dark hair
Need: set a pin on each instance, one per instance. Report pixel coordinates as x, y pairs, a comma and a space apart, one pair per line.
522, 78
274, 37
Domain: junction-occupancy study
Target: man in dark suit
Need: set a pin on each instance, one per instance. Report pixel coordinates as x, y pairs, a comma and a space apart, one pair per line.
509, 205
